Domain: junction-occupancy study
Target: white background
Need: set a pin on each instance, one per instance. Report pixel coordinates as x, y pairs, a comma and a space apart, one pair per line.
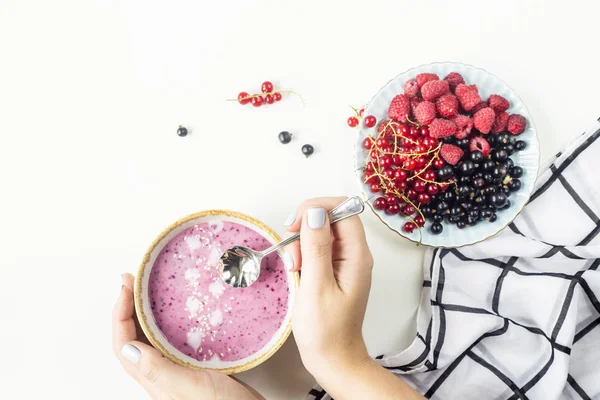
92, 92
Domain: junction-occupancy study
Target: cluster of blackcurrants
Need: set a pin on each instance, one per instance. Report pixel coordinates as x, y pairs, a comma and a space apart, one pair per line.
285, 137
483, 184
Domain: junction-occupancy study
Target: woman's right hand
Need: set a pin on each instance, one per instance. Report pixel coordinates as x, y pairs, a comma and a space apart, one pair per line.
336, 277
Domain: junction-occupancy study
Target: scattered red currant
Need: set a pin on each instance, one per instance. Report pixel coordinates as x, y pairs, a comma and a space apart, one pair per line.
370, 121
244, 98
257, 100
267, 87
352, 122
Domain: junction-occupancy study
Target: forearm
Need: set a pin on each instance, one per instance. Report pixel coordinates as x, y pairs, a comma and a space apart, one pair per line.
366, 380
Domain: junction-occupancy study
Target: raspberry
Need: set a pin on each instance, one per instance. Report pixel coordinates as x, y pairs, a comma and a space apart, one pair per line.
424, 78
441, 128
464, 125
451, 154
479, 106
516, 124
399, 108
434, 89
498, 103
500, 122
484, 119
454, 79
411, 88
425, 112
468, 96
447, 106
413, 105
479, 144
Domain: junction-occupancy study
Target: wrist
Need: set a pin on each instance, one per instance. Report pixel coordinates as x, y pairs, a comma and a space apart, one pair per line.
333, 372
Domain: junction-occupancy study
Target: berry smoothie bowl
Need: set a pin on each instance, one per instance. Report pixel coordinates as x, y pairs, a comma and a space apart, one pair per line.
192, 316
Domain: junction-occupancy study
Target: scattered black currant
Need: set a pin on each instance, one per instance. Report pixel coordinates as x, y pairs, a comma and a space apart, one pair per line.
182, 131
285, 137
307, 150
436, 228
520, 145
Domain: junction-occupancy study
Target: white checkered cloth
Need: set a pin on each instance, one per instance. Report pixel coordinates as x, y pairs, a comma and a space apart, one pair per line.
517, 316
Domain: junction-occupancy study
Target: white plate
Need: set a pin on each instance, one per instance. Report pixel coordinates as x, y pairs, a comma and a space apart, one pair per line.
528, 159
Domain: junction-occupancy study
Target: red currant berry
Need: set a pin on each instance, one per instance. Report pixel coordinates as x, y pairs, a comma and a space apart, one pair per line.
397, 160
411, 194
244, 98
414, 131
374, 153
257, 100
369, 177
421, 161
389, 173
352, 122
444, 186
269, 99
370, 121
385, 162
392, 209
404, 130
380, 203
391, 198
409, 210
375, 187
277, 96
424, 198
401, 185
267, 87
419, 186
409, 227
420, 149
382, 142
433, 189
429, 175
419, 220
370, 167
438, 163
400, 175
368, 143
424, 131
410, 164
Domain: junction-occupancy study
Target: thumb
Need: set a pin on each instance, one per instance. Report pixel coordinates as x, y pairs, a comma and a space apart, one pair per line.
156, 373
315, 245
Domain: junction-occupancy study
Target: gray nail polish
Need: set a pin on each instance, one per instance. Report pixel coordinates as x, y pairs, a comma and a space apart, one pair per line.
291, 218
315, 217
288, 261
131, 353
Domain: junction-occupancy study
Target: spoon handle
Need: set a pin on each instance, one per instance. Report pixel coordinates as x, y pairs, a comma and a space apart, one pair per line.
352, 206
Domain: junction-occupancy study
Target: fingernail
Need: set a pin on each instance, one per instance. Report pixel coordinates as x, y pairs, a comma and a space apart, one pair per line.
315, 217
288, 261
131, 353
290, 219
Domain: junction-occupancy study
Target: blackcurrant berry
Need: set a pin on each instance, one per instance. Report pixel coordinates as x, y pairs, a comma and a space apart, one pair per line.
478, 183
462, 143
476, 156
436, 228
455, 211
182, 131
488, 165
488, 178
497, 199
493, 218
307, 150
438, 217
461, 224
285, 137
463, 191
499, 155
502, 139
520, 145
516, 172
442, 207
509, 148
467, 168
453, 219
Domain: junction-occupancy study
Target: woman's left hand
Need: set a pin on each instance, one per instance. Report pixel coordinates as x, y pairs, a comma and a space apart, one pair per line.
161, 378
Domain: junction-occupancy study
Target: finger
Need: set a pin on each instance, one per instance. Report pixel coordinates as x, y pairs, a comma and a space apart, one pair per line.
152, 370
123, 324
291, 255
294, 220
315, 246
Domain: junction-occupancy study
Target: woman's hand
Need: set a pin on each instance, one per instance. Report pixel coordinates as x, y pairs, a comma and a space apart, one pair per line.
330, 305
161, 378
336, 277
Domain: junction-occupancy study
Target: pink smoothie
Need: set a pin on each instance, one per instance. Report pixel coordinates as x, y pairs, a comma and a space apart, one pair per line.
202, 316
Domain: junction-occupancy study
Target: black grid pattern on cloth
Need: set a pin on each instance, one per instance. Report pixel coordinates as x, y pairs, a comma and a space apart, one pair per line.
577, 285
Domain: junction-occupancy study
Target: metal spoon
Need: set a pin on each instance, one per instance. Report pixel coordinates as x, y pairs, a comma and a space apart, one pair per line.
240, 266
